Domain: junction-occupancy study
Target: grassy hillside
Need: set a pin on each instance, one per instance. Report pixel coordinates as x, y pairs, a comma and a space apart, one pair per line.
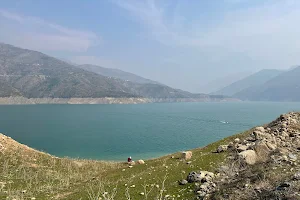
29, 174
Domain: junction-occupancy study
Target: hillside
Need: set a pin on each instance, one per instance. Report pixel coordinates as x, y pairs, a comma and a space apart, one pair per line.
262, 163
31, 74
116, 73
253, 80
35, 75
284, 87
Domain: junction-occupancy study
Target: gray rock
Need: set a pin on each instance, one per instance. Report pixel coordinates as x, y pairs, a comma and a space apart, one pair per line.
186, 155
260, 129
237, 140
271, 146
283, 186
222, 148
297, 176
248, 156
241, 148
194, 177
292, 157
183, 182
262, 151
258, 135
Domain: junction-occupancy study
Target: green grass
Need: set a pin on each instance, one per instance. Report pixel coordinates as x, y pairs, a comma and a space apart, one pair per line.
43, 176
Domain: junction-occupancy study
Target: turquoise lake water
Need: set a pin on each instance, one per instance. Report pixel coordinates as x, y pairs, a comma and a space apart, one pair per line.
114, 132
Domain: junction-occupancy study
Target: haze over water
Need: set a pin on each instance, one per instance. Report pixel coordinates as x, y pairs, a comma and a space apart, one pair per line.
114, 132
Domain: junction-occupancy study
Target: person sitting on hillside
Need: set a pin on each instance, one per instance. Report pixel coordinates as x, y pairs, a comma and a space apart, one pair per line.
129, 160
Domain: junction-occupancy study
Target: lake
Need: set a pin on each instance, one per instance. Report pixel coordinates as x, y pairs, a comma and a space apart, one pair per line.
114, 132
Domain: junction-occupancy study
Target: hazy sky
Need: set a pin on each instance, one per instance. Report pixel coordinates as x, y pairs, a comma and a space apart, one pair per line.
182, 43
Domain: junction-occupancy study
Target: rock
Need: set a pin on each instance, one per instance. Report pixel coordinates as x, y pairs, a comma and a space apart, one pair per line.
237, 140
211, 174
222, 148
250, 139
260, 129
230, 145
258, 135
283, 186
292, 157
201, 193
194, 177
241, 148
294, 121
285, 135
271, 146
282, 151
183, 182
297, 176
262, 151
141, 162
131, 163
248, 156
187, 155
285, 158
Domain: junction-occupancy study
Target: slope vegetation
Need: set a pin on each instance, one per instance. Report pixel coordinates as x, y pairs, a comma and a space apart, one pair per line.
218, 171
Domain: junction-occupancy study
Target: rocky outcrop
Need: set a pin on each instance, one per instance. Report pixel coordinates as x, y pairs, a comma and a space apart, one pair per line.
264, 159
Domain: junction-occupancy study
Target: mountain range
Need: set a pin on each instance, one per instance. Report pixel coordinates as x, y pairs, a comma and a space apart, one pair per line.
255, 79
116, 73
32, 74
266, 85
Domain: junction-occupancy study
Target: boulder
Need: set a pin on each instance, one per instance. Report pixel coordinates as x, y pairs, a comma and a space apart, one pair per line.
297, 176
186, 155
141, 162
262, 151
292, 157
241, 148
183, 182
248, 156
260, 129
282, 151
271, 146
237, 140
258, 135
283, 186
230, 145
194, 177
222, 148
131, 163
202, 176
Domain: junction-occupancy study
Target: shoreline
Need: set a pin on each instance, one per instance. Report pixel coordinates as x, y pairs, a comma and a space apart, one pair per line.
105, 100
